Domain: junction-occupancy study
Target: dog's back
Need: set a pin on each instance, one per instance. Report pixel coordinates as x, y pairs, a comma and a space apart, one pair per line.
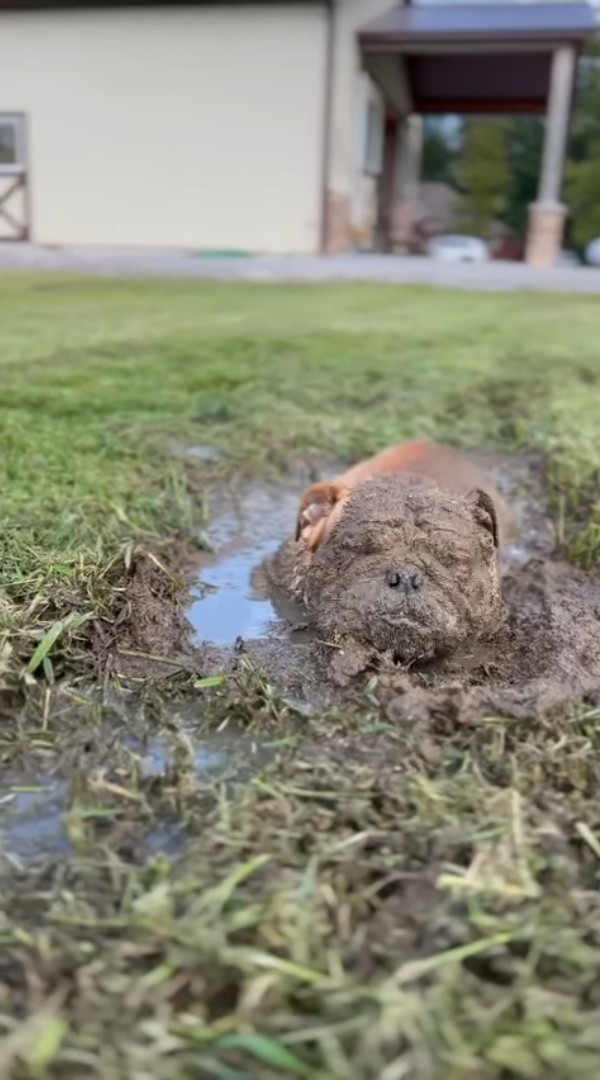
447, 467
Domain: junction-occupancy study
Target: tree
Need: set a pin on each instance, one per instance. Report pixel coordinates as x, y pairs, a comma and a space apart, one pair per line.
484, 173
500, 171
438, 161
582, 192
525, 139
582, 172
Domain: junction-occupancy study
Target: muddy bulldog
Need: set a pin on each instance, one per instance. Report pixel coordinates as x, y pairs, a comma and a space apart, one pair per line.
400, 554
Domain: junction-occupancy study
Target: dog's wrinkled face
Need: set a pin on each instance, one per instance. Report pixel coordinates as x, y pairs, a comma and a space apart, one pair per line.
403, 567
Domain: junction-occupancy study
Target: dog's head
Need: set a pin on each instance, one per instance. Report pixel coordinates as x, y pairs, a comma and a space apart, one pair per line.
399, 565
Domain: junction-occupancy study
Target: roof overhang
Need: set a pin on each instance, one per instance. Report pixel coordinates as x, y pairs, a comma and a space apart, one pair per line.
42, 5
475, 58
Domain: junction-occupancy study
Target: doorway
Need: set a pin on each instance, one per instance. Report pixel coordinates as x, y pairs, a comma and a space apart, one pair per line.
14, 178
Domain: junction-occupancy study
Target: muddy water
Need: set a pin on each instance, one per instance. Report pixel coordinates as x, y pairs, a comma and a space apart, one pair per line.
32, 809
38, 814
519, 478
230, 606
228, 602
547, 654
227, 605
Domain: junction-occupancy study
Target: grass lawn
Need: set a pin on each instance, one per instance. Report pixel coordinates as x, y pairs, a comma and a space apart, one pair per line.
371, 905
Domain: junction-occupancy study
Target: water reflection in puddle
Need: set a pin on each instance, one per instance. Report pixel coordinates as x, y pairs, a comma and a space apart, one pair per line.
226, 604
34, 809
220, 756
32, 818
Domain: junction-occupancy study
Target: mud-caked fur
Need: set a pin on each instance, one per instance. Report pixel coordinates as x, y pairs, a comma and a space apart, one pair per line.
408, 568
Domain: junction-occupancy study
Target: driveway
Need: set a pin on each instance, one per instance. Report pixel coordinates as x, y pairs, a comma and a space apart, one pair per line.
392, 269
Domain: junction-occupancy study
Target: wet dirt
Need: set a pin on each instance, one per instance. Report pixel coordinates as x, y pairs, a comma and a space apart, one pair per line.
32, 817
236, 609
42, 807
232, 597
547, 654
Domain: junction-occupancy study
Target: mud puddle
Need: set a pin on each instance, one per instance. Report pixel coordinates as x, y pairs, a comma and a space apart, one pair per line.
32, 809
41, 811
230, 601
520, 479
549, 652
227, 605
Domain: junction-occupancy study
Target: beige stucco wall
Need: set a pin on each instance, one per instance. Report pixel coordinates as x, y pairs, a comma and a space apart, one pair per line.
194, 127
364, 186
347, 183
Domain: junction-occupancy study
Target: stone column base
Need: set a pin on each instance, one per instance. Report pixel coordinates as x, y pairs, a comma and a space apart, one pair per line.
403, 224
545, 233
338, 230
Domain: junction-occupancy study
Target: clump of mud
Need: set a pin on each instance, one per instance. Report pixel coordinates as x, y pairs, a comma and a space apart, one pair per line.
149, 620
546, 654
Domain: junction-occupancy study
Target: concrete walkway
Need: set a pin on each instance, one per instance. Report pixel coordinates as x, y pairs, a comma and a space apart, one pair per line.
393, 269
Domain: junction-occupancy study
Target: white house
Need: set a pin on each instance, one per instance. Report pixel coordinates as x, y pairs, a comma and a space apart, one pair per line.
262, 127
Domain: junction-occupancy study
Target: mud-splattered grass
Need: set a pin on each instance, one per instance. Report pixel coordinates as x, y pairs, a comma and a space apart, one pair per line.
372, 903
368, 900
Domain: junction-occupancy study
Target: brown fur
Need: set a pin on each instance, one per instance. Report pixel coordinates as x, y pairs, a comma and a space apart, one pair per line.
321, 504
400, 553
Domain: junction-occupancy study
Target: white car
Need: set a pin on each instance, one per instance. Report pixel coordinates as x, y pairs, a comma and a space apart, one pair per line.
458, 249
592, 252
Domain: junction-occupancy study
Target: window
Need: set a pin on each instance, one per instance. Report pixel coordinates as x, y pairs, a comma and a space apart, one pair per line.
12, 144
374, 138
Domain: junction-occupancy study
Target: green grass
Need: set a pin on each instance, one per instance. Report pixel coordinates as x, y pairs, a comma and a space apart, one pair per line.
97, 375
378, 902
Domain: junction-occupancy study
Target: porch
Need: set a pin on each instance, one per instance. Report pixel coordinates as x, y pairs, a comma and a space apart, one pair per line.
509, 59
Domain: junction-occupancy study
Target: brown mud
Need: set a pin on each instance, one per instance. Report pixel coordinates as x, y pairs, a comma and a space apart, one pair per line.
547, 654
51, 798
228, 849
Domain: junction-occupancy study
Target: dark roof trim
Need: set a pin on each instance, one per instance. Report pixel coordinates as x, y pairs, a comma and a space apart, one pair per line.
509, 22
44, 5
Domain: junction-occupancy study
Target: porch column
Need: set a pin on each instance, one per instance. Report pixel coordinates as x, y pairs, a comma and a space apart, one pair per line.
408, 175
547, 215
386, 187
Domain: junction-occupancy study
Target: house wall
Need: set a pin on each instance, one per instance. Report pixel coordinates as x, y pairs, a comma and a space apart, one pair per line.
351, 193
190, 127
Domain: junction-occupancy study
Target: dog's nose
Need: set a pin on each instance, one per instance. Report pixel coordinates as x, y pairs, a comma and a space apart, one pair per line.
406, 580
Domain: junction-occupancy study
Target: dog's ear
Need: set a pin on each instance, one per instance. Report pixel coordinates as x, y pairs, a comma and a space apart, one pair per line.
314, 512
484, 511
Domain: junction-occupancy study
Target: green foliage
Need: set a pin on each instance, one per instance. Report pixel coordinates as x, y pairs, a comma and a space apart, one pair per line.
484, 173
524, 152
582, 174
582, 192
439, 157
496, 168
